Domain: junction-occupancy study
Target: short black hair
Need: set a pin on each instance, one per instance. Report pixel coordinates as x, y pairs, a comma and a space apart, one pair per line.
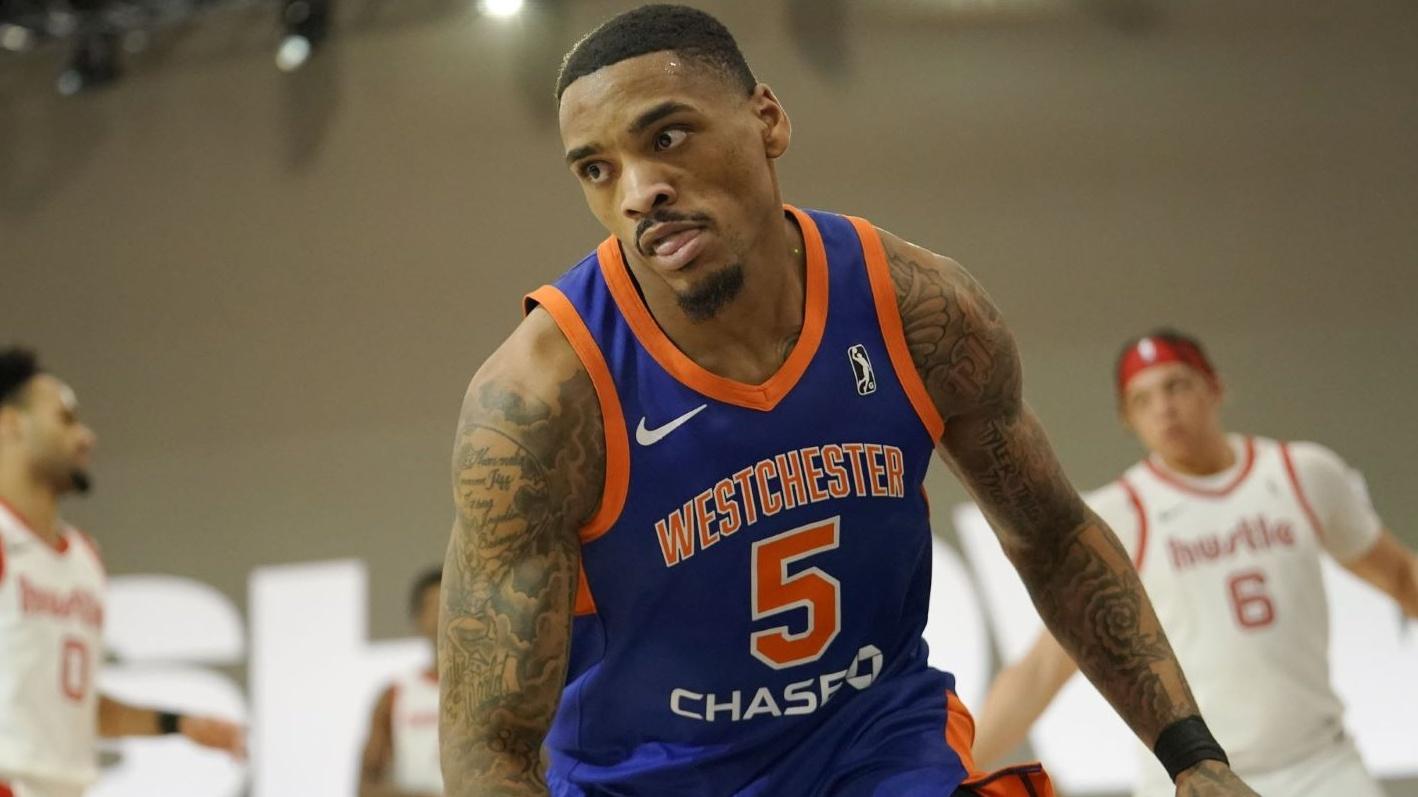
431, 577
1164, 334
18, 366
690, 32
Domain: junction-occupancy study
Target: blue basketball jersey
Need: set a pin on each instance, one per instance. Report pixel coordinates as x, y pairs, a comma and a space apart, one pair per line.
755, 584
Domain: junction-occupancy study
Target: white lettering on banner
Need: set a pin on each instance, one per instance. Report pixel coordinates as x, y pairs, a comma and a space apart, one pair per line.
160, 629
1080, 738
314, 674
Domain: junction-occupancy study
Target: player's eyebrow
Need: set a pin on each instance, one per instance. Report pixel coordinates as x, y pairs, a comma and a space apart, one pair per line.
580, 152
657, 113
643, 121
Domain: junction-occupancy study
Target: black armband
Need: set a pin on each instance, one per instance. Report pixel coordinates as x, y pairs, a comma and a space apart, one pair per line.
1186, 743
168, 722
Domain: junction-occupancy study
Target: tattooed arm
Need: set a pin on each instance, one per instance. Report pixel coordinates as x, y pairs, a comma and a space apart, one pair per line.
528, 468
1079, 576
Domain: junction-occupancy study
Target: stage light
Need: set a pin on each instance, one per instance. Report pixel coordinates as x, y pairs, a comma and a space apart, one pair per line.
501, 8
306, 24
94, 63
15, 38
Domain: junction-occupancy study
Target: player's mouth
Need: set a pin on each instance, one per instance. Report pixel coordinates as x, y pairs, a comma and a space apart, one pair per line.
674, 245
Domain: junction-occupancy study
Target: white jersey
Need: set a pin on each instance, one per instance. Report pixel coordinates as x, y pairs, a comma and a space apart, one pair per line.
1231, 563
414, 721
51, 622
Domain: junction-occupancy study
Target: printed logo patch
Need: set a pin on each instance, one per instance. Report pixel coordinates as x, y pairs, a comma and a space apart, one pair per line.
861, 368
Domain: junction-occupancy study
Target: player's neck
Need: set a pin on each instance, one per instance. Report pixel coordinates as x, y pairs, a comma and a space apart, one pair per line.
750, 337
1213, 457
37, 505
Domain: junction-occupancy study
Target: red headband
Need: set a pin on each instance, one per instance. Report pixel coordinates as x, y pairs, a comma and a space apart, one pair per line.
1157, 351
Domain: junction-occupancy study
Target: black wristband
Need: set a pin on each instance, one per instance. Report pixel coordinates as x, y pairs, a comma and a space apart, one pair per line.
168, 722
1186, 743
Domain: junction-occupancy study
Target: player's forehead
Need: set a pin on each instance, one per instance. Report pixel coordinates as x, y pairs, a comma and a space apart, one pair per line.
48, 391
607, 102
1154, 377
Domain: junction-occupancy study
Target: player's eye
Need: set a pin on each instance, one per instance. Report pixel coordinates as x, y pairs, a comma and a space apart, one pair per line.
595, 172
672, 137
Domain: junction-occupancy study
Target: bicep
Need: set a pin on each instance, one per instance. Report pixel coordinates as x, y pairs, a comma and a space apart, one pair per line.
1348, 524
969, 365
528, 469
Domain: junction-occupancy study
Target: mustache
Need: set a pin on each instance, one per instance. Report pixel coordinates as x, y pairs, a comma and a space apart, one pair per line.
666, 217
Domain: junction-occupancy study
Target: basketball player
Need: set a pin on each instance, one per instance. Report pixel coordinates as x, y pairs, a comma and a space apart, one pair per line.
691, 552
51, 602
401, 753
1227, 533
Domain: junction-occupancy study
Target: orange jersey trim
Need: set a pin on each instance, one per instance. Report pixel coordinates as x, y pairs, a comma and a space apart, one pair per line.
585, 602
612, 416
1028, 780
888, 315
762, 397
960, 732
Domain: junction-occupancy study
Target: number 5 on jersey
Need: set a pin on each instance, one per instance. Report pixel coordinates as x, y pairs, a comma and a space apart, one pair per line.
775, 592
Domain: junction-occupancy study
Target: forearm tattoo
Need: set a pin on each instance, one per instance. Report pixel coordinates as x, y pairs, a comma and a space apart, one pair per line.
526, 474
1079, 576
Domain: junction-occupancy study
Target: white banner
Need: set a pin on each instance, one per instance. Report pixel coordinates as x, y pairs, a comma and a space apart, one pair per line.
314, 674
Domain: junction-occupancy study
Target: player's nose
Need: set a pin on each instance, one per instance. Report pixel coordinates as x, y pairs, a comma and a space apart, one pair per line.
644, 188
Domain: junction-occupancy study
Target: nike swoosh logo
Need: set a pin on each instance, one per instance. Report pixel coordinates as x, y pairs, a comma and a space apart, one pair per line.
649, 437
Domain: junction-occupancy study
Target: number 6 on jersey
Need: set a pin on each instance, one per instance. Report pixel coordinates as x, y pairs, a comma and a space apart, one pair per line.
775, 592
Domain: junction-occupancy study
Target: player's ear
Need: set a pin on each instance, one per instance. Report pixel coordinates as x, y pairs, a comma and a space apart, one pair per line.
776, 128
1217, 388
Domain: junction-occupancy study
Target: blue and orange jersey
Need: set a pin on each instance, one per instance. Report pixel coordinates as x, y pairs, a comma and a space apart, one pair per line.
756, 580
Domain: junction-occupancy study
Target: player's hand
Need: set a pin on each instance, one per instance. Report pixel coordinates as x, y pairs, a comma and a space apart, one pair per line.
216, 733
1211, 779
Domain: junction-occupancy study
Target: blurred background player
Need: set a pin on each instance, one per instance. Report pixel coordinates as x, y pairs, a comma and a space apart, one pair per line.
51, 602
1226, 531
401, 752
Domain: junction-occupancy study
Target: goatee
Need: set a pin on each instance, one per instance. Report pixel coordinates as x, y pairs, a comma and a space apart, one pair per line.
704, 301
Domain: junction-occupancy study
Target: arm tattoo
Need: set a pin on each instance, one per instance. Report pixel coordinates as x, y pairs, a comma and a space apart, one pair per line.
526, 474
953, 331
1079, 576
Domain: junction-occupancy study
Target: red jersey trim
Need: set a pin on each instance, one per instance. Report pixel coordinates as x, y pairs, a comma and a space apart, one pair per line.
1136, 500
1300, 491
1206, 492
61, 547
